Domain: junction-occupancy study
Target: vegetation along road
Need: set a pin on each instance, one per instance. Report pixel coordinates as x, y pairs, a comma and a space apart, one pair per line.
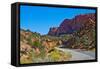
79, 55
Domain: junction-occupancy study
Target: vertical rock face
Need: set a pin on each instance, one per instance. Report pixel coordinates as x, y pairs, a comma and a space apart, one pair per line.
69, 26
53, 31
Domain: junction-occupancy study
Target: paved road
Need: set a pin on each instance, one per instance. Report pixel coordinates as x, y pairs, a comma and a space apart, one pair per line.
79, 55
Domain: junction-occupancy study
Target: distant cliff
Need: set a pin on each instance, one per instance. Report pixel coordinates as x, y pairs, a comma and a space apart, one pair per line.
53, 31
69, 26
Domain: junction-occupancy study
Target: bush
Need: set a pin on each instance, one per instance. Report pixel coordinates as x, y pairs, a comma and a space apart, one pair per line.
58, 55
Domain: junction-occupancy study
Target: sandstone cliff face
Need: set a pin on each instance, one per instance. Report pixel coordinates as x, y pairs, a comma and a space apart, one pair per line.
53, 31
69, 26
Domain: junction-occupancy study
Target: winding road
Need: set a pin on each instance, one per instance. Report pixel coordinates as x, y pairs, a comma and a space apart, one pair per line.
79, 55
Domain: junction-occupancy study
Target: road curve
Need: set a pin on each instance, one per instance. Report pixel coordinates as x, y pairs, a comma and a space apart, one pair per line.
76, 55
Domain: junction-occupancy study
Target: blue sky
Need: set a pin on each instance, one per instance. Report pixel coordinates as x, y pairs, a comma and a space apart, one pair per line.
40, 19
